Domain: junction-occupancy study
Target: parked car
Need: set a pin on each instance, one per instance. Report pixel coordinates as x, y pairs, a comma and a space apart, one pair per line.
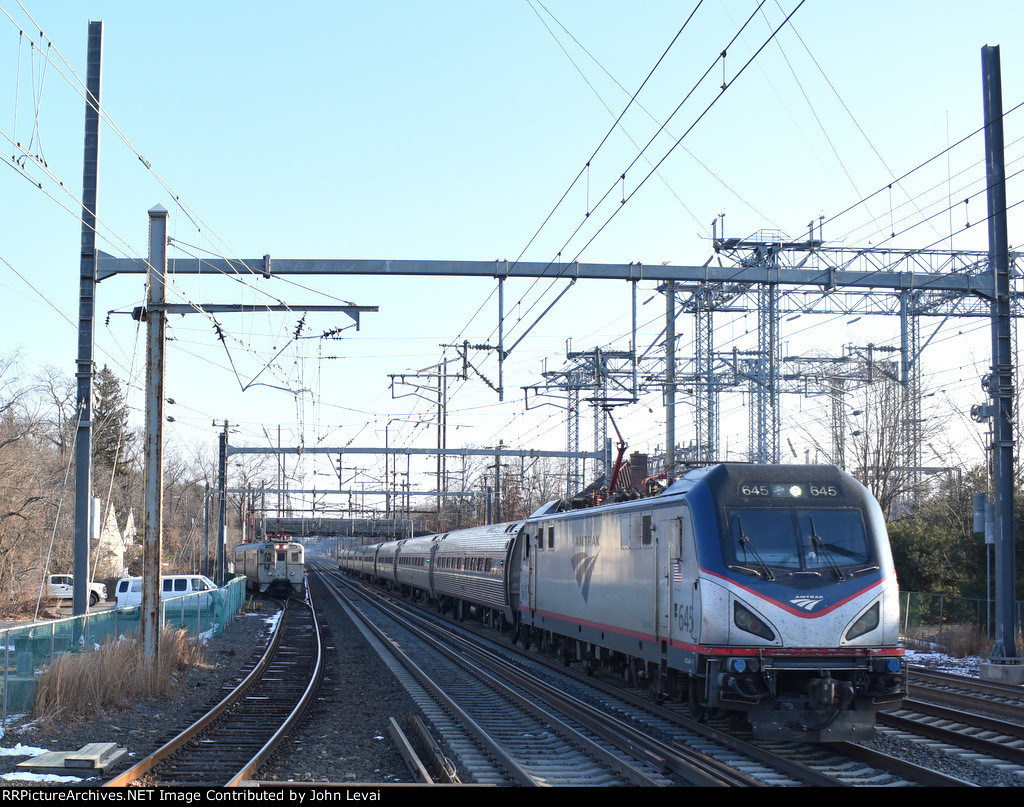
62, 587
128, 593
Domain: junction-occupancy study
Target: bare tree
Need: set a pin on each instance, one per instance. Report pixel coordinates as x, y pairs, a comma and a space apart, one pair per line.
882, 457
57, 393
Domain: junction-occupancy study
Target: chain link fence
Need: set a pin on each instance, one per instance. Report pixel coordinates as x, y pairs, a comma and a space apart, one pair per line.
28, 650
930, 619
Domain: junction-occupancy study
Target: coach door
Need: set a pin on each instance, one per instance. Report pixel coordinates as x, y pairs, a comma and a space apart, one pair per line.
662, 540
685, 582
281, 562
528, 580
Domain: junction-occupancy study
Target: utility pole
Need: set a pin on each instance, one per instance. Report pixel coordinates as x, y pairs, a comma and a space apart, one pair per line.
222, 475
86, 317
153, 529
1005, 660
497, 487
670, 376
442, 438
206, 528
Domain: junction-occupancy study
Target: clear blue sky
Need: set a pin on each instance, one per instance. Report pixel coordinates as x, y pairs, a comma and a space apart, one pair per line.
450, 130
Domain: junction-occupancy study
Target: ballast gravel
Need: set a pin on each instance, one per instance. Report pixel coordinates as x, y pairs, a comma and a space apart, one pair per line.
344, 737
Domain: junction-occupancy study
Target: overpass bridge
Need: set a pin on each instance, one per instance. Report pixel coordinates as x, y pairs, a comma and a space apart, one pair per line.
377, 528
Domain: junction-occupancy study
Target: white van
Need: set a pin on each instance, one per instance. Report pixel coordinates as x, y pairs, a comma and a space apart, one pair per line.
128, 593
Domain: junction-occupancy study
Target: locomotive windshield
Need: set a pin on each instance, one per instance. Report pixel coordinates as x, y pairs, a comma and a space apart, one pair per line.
769, 541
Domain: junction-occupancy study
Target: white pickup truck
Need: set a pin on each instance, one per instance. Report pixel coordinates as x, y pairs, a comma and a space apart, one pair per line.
62, 587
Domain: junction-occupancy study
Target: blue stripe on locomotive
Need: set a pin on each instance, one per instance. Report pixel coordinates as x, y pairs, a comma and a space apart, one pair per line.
709, 497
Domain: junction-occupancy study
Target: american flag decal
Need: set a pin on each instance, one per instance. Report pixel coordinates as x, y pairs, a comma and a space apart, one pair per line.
677, 572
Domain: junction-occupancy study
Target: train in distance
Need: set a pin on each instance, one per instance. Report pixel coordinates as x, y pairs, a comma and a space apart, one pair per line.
275, 568
764, 591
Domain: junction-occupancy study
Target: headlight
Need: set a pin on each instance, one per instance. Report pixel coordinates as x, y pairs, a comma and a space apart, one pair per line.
865, 623
891, 664
742, 665
745, 620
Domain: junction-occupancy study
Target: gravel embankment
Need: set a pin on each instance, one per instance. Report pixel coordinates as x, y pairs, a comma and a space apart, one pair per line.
344, 738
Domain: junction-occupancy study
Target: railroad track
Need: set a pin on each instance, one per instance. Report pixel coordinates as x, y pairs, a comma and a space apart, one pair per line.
962, 715
994, 739
814, 765
230, 742
961, 692
510, 729
782, 764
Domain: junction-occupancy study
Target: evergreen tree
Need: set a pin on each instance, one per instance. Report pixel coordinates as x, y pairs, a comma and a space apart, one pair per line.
113, 443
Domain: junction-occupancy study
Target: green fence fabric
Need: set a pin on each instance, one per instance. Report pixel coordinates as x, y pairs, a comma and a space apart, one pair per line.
925, 617
28, 650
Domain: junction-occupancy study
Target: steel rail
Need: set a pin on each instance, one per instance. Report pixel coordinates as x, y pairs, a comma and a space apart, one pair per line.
685, 762
516, 772
923, 675
698, 768
900, 767
183, 738
264, 753
797, 770
958, 737
1005, 700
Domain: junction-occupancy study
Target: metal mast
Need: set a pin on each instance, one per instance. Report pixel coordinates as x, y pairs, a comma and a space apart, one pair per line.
764, 438
707, 389
910, 378
86, 316
156, 329
1000, 381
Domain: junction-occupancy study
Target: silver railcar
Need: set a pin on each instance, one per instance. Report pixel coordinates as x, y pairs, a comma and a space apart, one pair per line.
272, 567
385, 563
415, 565
472, 568
767, 591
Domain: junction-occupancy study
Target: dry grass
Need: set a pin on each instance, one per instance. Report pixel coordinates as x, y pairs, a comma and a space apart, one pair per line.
81, 686
960, 640
25, 608
964, 640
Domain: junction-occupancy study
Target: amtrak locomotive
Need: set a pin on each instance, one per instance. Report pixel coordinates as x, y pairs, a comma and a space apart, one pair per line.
765, 591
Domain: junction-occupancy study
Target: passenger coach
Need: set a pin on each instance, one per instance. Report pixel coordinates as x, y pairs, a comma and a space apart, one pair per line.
276, 568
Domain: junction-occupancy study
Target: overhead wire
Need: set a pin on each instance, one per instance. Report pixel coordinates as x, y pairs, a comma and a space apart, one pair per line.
626, 198
643, 150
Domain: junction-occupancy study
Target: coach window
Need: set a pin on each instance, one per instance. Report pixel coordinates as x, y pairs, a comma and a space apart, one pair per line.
551, 537
646, 530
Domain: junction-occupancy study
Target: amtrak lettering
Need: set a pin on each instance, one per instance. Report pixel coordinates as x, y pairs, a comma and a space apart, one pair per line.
807, 602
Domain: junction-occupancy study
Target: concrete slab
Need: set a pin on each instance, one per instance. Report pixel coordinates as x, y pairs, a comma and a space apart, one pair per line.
91, 757
1002, 673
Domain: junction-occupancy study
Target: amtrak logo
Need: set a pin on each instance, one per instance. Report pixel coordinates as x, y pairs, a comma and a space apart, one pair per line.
583, 565
807, 603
